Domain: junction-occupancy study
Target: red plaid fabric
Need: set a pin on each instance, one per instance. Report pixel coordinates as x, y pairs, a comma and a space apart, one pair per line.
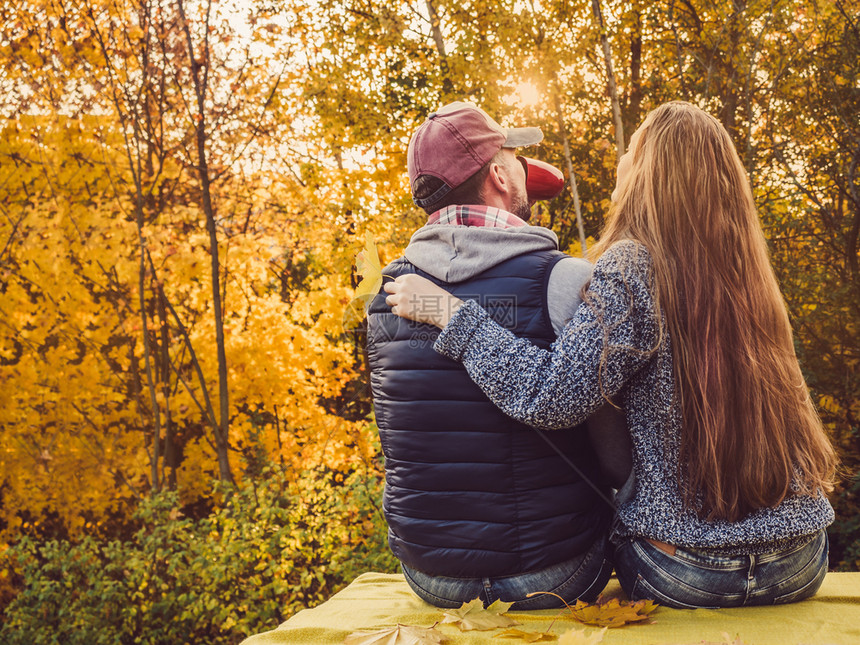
475, 215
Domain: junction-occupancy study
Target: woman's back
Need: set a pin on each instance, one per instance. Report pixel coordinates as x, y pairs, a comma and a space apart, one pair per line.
654, 505
749, 430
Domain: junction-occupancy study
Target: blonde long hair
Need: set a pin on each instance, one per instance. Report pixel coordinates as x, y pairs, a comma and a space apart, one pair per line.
750, 433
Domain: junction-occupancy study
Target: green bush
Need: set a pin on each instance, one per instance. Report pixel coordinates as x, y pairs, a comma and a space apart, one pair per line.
268, 550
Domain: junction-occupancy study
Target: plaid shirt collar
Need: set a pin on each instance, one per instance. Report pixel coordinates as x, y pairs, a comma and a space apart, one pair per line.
475, 215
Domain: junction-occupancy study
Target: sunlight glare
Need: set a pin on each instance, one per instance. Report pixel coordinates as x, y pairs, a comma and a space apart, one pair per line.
525, 94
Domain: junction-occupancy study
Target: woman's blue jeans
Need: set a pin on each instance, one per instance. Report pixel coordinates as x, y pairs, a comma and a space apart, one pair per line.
583, 577
695, 578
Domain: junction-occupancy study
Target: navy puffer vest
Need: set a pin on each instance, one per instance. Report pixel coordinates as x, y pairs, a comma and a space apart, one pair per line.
469, 491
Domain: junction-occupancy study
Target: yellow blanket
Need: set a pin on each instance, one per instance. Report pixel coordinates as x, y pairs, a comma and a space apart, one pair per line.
375, 600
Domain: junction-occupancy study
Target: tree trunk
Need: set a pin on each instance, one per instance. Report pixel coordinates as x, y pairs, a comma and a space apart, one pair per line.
134, 121
199, 67
169, 462
634, 105
559, 116
685, 91
436, 32
610, 76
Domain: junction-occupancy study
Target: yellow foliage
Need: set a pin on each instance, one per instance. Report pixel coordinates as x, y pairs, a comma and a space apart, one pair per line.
76, 408
575, 248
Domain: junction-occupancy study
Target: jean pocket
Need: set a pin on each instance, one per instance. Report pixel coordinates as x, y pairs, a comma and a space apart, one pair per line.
452, 593
805, 591
678, 583
644, 591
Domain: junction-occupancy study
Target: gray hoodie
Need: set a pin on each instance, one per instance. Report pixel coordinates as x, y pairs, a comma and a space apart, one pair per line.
455, 253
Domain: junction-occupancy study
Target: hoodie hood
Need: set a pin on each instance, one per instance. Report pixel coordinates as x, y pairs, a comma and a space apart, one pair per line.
454, 253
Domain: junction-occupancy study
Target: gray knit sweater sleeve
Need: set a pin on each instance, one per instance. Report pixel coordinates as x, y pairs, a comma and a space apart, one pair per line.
607, 342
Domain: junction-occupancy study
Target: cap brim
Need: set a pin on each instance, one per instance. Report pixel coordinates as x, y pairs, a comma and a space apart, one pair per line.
518, 137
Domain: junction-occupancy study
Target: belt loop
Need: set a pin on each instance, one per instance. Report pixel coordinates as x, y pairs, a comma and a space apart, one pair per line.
750, 586
488, 592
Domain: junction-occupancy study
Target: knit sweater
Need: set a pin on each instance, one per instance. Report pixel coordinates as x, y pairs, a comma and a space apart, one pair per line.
562, 386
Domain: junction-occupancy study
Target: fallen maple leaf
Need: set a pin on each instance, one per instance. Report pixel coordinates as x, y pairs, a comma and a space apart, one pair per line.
528, 637
579, 637
613, 612
398, 635
472, 615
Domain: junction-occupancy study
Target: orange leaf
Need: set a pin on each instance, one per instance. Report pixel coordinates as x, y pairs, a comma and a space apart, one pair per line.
472, 615
613, 612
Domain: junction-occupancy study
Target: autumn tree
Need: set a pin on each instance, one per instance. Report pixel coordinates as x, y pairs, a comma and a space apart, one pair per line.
111, 327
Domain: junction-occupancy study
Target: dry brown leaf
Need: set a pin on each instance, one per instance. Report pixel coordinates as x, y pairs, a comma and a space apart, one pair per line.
398, 635
528, 637
613, 612
579, 637
472, 615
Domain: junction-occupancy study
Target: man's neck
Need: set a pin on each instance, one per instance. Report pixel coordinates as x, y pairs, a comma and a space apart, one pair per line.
475, 215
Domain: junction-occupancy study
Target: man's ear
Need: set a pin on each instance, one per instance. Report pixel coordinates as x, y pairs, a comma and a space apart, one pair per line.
498, 179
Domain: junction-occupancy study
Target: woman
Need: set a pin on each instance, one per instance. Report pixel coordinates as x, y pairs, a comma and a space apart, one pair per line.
684, 326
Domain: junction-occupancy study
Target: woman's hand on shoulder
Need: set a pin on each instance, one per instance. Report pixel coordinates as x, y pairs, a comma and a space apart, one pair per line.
416, 298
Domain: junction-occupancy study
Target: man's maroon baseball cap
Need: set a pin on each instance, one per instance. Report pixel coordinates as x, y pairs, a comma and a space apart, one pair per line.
457, 141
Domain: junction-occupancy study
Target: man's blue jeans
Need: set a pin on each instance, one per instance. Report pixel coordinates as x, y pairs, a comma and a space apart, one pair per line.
695, 578
583, 577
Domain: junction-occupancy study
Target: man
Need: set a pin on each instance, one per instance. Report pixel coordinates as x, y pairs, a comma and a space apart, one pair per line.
477, 504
